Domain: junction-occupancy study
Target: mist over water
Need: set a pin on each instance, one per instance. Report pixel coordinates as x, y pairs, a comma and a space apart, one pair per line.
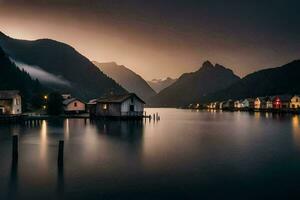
37, 73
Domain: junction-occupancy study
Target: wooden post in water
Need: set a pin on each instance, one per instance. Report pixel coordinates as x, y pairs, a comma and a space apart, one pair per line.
154, 117
15, 147
60, 159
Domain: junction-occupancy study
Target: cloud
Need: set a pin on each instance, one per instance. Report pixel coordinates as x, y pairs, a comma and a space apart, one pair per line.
40, 74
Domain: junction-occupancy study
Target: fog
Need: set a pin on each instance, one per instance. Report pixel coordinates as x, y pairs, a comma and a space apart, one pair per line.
37, 73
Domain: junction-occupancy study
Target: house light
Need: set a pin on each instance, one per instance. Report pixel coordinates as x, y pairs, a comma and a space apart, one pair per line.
45, 97
104, 106
44, 107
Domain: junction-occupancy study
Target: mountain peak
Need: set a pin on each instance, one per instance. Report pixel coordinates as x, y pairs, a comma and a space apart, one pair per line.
207, 65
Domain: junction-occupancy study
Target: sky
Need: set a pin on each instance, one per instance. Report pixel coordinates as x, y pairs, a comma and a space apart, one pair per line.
164, 38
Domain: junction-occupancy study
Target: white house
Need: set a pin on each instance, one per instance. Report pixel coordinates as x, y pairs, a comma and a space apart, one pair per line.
248, 103
10, 102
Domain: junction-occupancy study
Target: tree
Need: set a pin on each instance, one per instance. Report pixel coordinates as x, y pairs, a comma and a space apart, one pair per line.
54, 104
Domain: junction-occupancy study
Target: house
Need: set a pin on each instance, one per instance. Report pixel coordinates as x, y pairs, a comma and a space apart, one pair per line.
216, 105
10, 102
124, 106
221, 104
281, 101
228, 105
295, 102
248, 103
238, 104
263, 103
73, 105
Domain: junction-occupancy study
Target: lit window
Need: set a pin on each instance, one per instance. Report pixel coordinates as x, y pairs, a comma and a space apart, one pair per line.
104, 106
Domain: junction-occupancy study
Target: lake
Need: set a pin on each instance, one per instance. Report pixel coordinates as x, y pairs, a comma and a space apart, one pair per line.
186, 155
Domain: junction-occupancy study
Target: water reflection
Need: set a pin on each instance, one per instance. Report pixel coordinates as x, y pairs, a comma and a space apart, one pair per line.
131, 130
44, 143
296, 130
13, 181
60, 185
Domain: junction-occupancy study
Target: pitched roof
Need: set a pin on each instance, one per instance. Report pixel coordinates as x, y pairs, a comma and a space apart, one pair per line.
282, 97
8, 94
117, 98
68, 101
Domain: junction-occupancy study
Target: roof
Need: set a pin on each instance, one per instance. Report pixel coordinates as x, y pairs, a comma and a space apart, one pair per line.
68, 101
117, 98
8, 94
92, 101
282, 97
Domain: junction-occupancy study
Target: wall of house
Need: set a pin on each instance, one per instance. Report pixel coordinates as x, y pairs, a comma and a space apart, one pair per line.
108, 109
138, 105
75, 106
11, 106
295, 102
17, 106
257, 104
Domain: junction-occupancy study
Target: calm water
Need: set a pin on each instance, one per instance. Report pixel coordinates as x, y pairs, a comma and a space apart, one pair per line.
186, 155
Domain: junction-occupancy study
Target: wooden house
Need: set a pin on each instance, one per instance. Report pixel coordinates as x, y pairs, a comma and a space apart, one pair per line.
221, 104
281, 101
228, 105
262, 103
74, 106
248, 103
238, 104
295, 102
10, 102
123, 106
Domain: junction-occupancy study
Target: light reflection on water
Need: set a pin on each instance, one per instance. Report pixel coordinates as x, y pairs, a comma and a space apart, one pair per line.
186, 154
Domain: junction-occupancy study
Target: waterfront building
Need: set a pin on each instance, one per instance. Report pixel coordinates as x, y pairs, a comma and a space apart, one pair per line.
124, 106
295, 102
10, 102
74, 106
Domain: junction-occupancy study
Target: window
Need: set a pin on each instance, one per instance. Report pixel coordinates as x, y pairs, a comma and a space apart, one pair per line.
105, 106
75, 104
131, 99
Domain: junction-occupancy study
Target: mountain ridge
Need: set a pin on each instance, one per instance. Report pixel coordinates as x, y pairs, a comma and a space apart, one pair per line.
191, 86
62, 60
127, 78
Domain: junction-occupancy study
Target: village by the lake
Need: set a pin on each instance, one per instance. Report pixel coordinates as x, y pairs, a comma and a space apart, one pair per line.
149, 100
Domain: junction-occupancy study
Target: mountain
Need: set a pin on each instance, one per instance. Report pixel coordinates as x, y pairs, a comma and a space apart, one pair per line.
76, 73
128, 79
12, 78
191, 87
160, 84
268, 82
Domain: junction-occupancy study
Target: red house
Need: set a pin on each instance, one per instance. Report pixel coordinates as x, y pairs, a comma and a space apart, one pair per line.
282, 101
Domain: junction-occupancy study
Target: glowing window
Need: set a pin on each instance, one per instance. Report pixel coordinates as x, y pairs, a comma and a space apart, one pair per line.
105, 106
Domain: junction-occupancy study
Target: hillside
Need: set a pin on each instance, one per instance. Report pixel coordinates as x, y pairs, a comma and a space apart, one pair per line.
160, 84
84, 80
268, 82
128, 79
12, 78
191, 87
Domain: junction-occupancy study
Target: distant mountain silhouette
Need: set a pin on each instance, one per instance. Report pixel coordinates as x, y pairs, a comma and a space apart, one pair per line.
128, 79
160, 84
84, 79
12, 78
268, 82
191, 87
